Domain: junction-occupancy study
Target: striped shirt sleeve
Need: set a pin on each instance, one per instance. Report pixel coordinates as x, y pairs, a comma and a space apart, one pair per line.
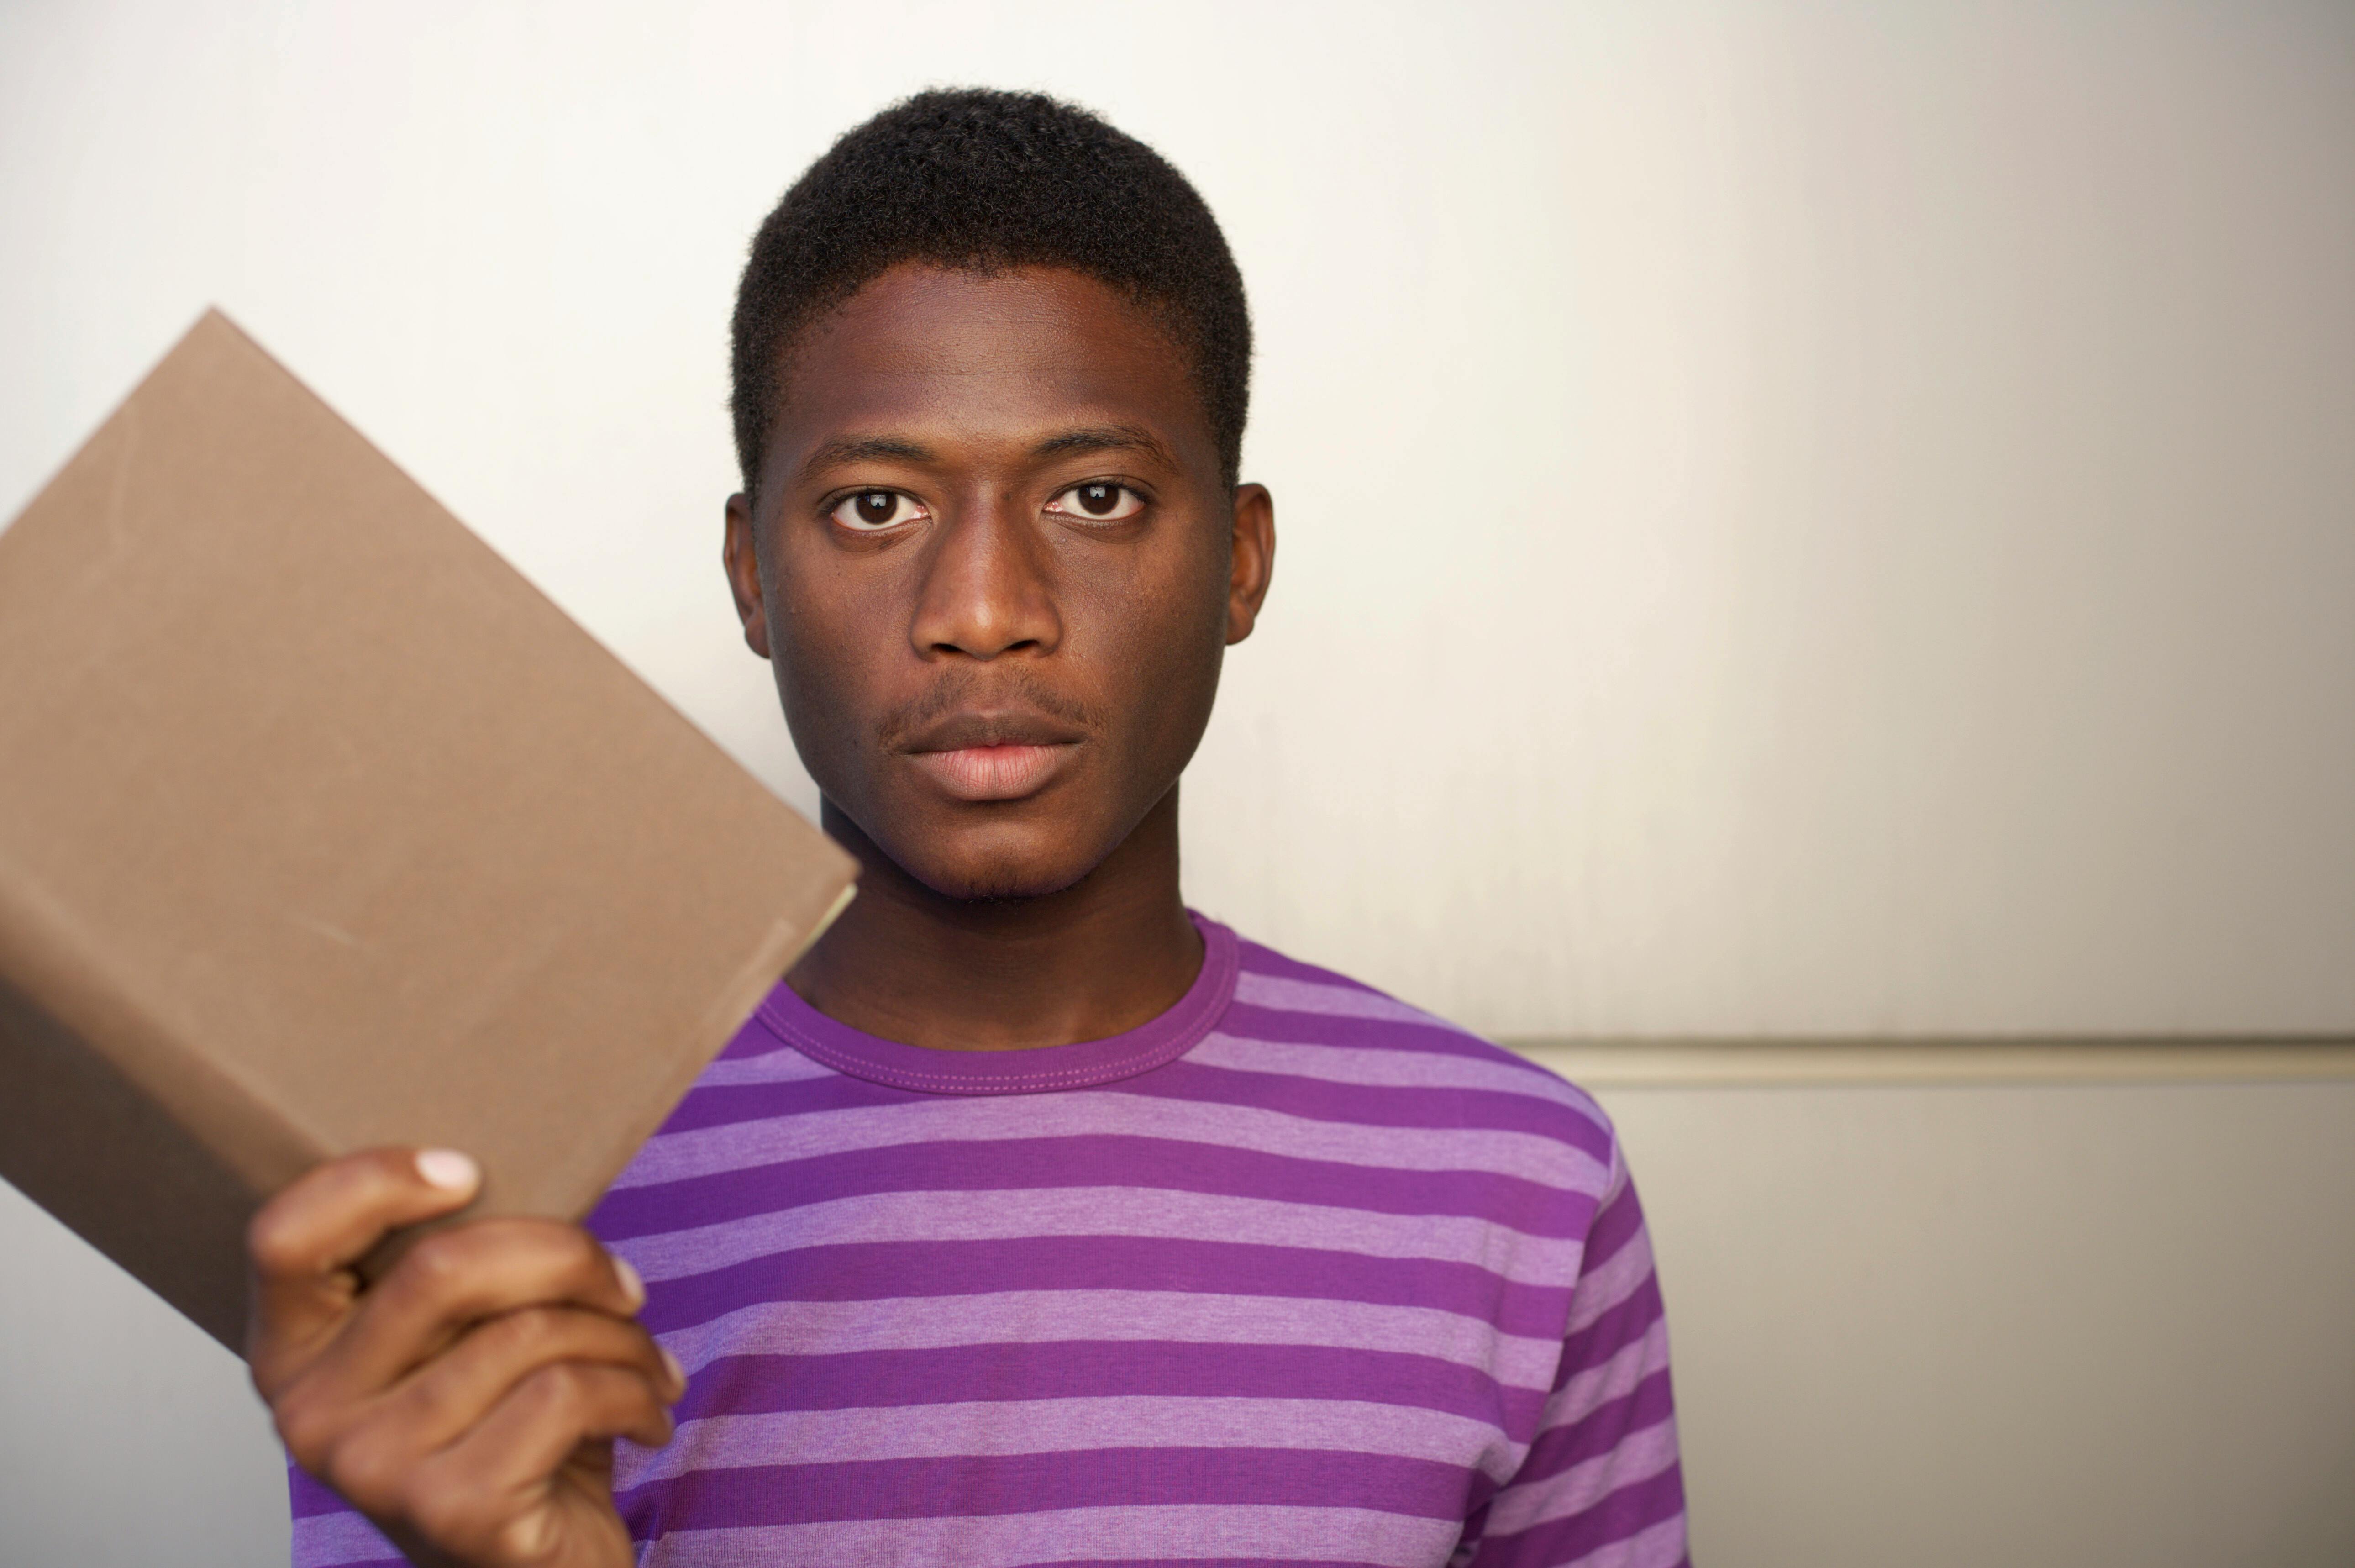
1603, 1486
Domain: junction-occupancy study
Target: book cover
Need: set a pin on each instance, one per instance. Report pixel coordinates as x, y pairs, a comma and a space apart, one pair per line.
321, 828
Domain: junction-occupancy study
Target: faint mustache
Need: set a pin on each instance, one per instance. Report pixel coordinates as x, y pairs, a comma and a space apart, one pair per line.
969, 688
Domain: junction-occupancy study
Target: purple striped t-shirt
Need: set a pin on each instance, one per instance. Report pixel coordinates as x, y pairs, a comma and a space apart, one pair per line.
1292, 1273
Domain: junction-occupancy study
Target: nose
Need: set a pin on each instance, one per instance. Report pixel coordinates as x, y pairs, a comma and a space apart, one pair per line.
987, 589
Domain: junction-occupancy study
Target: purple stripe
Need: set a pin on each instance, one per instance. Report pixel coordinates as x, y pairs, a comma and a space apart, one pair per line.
1600, 1431
877, 1270
1483, 1489
840, 1327
1614, 1331
1621, 1514
1102, 1160
1477, 1521
755, 1039
1617, 1222
306, 1494
1096, 1369
1368, 1105
1041, 1483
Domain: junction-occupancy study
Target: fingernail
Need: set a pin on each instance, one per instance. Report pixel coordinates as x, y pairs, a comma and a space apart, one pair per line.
670, 1364
633, 1286
448, 1170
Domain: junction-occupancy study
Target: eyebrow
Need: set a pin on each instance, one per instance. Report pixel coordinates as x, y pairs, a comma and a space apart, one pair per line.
848, 449
1105, 438
863, 449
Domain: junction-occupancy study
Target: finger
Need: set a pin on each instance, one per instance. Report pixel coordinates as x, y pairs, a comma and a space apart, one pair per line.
495, 1484
455, 1278
459, 1387
543, 1418
302, 1245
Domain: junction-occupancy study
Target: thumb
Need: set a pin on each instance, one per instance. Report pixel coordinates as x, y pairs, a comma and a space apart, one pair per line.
303, 1245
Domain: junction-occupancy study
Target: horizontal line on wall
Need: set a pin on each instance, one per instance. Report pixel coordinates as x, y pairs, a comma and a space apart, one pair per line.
1669, 1063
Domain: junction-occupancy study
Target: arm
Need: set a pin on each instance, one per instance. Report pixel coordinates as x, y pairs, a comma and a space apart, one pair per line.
1601, 1483
467, 1402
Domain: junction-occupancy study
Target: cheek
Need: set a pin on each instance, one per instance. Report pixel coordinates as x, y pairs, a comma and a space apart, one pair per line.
815, 648
1168, 639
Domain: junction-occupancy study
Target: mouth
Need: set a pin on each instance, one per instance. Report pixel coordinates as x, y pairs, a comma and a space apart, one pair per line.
993, 773
993, 756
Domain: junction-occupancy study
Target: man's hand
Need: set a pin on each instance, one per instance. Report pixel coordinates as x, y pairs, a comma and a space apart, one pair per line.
466, 1403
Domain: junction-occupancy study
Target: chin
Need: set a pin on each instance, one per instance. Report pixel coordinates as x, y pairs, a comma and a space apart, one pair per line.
999, 880
995, 869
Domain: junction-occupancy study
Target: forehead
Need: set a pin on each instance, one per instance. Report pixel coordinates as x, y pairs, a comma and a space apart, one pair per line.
984, 356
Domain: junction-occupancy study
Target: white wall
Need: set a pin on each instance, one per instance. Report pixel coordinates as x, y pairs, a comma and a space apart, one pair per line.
1796, 518
2095, 1327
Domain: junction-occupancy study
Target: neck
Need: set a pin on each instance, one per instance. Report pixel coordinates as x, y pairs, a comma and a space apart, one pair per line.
1107, 954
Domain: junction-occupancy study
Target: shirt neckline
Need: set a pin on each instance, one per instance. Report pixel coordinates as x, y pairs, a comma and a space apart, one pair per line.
1039, 1070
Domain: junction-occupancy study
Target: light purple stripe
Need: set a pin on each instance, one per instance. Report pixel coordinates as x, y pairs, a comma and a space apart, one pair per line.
1162, 1215
1016, 1317
1056, 1425
1619, 1277
1639, 1457
1332, 1002
677, 1157
785, 1065
1389, 1069
322, 1540
1615, 1180
1168, 1533
1597, 1386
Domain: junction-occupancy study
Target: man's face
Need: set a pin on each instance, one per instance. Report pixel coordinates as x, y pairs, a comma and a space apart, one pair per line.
996, 566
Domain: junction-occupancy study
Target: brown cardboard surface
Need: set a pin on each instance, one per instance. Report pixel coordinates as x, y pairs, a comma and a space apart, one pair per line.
320, 828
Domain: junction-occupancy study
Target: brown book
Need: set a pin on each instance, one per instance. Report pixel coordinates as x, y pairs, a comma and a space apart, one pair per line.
320, 828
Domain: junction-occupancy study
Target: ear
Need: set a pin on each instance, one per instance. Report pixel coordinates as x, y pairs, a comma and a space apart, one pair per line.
743, 564
1254, 557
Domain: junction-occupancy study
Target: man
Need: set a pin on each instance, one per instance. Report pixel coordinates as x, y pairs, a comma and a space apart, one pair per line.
1033, 1219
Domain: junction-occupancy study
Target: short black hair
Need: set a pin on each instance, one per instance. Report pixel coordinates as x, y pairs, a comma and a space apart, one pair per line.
977, 179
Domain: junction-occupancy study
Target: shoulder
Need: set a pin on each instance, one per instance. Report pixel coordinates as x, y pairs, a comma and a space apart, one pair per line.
1297, 1019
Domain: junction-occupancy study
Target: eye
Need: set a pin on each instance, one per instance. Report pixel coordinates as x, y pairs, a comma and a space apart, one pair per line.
1098, 501
870, 511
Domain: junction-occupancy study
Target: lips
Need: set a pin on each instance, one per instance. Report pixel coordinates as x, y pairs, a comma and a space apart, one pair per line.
984, 756
992, 773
